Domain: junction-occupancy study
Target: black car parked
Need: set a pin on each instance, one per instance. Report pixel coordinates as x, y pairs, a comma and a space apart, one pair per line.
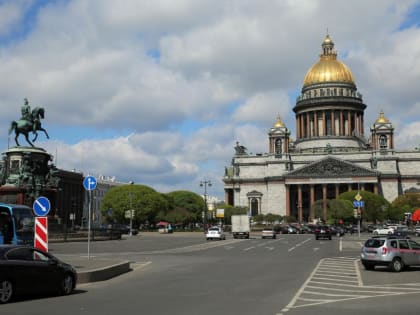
25, 270
322, 231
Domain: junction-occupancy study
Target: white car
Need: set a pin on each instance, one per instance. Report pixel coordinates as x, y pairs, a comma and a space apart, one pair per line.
215, 232
385, 230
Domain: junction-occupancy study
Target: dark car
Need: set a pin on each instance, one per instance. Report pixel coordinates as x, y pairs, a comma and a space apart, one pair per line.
26, 270
337, 230
322, 231
119, 228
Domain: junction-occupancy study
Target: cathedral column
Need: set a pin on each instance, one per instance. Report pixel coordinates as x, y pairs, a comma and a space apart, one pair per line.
302, 135
341, 123
288, 200
349, 187
375, 188
348, 124
227, 197
297, 127
324, 124
324, 201
308, 126
316, 133
362, 122
356, 123
332, 123
300, 203
312, 201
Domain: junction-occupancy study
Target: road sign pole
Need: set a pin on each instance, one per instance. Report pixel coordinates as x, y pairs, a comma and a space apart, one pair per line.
89, 183
89, 215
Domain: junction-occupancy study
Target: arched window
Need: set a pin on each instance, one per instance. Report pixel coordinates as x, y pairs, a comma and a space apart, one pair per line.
278, 146
254, 206
383, 141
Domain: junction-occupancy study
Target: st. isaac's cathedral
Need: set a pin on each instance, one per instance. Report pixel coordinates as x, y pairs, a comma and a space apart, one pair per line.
331, 153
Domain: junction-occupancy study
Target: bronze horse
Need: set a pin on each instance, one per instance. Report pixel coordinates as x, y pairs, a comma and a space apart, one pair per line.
25, 126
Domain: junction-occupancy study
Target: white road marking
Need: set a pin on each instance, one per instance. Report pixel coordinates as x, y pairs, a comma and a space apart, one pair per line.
325, 285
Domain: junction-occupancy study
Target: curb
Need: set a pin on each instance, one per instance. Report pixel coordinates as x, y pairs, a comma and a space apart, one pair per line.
102, 274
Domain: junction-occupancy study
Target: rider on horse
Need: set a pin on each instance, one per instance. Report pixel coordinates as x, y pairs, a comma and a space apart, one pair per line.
29, 122
26, 111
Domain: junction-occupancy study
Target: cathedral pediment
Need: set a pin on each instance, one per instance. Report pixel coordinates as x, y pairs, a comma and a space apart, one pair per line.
331, 166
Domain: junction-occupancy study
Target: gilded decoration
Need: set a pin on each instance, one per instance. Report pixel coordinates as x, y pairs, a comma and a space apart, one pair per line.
328, 68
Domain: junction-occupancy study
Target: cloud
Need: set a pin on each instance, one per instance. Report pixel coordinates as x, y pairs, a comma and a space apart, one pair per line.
162, 90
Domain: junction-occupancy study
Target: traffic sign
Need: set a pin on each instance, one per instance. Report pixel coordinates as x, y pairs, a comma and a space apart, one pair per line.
89, 183
358, 197
41, 206
358, 204
41, 233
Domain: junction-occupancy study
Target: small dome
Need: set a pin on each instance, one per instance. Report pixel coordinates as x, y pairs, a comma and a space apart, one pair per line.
328, 68
382, 119
279, 123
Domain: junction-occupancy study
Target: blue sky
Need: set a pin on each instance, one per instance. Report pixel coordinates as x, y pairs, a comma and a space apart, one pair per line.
158, 92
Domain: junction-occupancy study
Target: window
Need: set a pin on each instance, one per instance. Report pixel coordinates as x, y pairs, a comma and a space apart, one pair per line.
404, 244
376, 243
414, 245
383, 141
19, 254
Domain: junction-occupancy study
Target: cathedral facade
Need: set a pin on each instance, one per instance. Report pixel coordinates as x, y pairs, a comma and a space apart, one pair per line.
331, 153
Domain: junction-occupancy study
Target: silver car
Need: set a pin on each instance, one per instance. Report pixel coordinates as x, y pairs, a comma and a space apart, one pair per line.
392, 251
215, 232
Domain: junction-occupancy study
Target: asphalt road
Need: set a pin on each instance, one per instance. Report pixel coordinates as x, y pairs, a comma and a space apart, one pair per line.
182, 273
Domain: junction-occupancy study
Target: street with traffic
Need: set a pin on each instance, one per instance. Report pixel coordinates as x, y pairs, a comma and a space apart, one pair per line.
183, 273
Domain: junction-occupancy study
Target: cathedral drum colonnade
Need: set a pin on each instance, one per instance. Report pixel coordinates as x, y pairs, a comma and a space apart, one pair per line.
330, 154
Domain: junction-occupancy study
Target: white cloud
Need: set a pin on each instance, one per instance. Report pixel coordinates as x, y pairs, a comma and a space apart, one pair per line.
176, 84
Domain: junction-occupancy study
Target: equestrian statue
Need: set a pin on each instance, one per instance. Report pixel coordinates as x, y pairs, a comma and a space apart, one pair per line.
29, 122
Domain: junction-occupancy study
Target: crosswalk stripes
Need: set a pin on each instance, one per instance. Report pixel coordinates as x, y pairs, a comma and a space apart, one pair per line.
338, 279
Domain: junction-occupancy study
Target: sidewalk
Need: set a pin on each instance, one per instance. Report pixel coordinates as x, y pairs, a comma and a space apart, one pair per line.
95, 269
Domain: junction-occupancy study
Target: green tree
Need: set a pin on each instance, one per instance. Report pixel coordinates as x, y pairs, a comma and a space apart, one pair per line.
408, 201
189, 201
271, 218
145, 202
231, 210
259, 218
339, 209
375, 206
179, 216
317, 209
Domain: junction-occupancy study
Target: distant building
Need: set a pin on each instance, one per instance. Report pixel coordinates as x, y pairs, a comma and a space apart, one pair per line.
330, 155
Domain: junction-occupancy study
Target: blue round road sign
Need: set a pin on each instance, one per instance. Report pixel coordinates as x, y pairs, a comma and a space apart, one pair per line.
89, 183
41, 206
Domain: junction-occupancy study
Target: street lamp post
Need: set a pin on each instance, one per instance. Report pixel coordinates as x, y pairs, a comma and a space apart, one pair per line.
131, 209
205, 183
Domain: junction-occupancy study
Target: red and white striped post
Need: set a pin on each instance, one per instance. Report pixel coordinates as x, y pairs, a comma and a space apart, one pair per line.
41, 208
41, 233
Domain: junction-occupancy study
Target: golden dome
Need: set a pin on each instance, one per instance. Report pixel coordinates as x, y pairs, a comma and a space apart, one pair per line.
328, 68
279, 123
382, 119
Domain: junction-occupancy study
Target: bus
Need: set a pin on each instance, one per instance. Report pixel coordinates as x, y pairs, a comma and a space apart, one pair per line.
16, 224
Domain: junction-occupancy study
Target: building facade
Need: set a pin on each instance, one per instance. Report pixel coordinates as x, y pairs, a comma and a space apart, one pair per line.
331, 153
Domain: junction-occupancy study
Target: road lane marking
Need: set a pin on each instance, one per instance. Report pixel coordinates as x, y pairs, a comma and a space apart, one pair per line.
324, 285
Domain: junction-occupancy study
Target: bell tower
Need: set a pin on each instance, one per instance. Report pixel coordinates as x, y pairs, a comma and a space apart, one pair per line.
382, 134
279, 138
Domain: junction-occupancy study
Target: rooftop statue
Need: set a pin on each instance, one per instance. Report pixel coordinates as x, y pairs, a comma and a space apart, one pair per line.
29, 122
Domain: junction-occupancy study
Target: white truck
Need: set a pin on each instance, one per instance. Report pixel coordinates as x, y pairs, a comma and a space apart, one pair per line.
240, 226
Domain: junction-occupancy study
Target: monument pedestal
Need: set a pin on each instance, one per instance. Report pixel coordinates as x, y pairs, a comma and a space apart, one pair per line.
27, 173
